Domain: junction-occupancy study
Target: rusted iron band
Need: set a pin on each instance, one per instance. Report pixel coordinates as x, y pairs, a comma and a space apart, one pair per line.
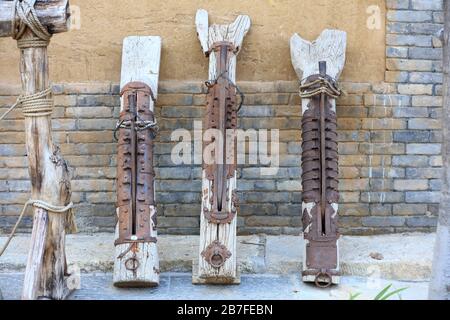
221, 114
320, 174
135, 174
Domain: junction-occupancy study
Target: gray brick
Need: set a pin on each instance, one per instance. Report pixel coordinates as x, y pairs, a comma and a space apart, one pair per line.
181, 87
410, 185
423, 148
183, 222
257, 209
427, 4
411, 136
425, 77
438, 17
424, 173
182, 111
406, 209
423, 197
398, 27
397, 52
173, 173
178, 197
289, 185
424, 124
408, 40
425, 28
290, 209
421, 222
427, 101
397, 4
257, 111
98, 100
182, 210
436, 184
409, 16
410, 161
263, 185
380, 209
382, 197
386, 100
425, 53
393, 64
178, 185
396, 76
383, 221
383, 173
409, 112
415, 89
261, 197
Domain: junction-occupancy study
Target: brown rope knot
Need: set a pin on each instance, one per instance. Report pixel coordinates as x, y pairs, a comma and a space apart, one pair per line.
24, 16
317, 84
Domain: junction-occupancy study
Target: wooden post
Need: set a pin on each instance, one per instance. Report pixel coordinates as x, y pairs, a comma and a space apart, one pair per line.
318, 65
53, 14
440, 278
46, 265
219, 240
137, 263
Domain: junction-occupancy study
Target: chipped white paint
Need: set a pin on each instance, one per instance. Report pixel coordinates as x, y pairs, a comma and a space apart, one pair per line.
306, 55
140, 62
209, 232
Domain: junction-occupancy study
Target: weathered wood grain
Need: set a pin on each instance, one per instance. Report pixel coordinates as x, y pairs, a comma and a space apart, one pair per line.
305, 55
203, 272
140, 62
53, 14
50, 182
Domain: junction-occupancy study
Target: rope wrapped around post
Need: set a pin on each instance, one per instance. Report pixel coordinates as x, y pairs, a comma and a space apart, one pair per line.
39, 104
43, 205
320, 85
24, 10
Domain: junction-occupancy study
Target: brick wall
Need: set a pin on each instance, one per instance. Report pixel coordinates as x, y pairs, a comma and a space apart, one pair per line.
389, 133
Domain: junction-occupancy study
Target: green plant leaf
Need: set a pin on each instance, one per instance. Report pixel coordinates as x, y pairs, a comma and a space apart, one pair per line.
382, 292
353, 296
393, 293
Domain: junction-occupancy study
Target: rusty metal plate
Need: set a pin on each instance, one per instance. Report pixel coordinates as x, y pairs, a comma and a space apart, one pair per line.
135, 174
216, 254
221, 114
321, 256
320, 175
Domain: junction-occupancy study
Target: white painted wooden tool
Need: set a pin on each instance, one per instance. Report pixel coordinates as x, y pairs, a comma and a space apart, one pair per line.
305, 55
203, 272
140, 62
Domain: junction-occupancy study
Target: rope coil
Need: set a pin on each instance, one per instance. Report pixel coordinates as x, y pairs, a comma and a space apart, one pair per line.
38, 204
319, 86
33, 105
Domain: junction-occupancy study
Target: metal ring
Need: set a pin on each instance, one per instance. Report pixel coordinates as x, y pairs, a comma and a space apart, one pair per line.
219, 263
135, 264
322, 283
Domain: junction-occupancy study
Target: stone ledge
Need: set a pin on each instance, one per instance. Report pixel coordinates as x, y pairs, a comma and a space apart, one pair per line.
406, 257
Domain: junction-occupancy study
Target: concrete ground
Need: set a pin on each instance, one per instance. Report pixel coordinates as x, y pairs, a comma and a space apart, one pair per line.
177, 286
270, 267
